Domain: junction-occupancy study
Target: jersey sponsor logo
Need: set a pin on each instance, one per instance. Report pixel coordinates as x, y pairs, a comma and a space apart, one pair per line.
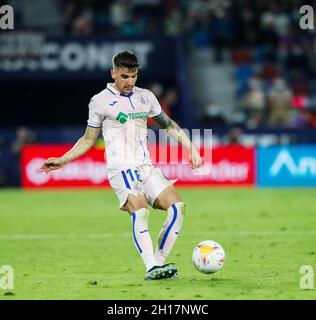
122, 117
138, 115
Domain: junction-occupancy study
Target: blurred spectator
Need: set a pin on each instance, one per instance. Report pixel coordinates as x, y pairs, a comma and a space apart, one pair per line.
279, 103
234, 136
213, 115
247, 24
24, 136
302, 118
173, 22
120, 13
83, 24
199, 10
220, 7
151, 13
253, 104
69, 14
222, 33
268, 35
3, 179
297, 119
276, 19
311, 118
134, 27
167, 99
297, 62
299, 102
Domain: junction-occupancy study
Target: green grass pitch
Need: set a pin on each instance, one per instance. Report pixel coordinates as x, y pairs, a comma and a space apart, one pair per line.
78, 245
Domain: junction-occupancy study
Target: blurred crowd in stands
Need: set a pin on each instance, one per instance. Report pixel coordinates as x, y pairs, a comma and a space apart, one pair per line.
275, 65
275, 69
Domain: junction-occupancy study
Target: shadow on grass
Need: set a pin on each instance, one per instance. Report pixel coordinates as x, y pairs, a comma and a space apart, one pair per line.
212, 280
193, 281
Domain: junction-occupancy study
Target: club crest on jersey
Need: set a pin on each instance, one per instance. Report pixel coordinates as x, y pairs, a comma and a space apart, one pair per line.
143, 99
137, 186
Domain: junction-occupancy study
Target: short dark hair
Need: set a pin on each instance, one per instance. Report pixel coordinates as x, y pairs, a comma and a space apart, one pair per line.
125, 59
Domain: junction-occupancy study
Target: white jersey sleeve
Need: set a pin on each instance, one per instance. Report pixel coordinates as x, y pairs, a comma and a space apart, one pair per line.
96, 114
155, 108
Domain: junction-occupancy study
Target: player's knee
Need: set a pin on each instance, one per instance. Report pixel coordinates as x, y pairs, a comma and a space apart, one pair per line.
135, 203
137, 208
176, 214
179, 207
142, 213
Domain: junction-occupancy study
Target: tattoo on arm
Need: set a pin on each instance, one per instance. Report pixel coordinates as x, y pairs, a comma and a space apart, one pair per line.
91, 135
163, 120
83, 144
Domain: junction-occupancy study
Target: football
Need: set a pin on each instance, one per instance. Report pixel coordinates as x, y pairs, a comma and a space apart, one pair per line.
208, 256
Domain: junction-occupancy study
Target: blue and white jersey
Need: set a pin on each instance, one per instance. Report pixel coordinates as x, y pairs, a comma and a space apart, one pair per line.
123, 119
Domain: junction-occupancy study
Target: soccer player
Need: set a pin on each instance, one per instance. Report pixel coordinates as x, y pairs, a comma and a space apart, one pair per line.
121, 111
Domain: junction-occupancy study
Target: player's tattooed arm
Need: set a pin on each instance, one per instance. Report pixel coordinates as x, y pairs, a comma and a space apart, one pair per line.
174, 131
82, 146
163, 120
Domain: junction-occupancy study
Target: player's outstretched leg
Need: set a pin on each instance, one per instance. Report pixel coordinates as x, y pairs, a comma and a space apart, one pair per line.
169, 232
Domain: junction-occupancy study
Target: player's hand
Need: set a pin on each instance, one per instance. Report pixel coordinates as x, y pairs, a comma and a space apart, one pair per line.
52, 164
196, 160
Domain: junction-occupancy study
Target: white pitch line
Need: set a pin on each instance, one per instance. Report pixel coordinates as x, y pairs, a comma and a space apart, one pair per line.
210, 234
59, 236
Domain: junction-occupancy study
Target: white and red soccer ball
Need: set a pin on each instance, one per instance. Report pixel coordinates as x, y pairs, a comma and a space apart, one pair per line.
208, 256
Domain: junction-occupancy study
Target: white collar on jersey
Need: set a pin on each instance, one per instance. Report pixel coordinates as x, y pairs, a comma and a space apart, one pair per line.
111, 88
